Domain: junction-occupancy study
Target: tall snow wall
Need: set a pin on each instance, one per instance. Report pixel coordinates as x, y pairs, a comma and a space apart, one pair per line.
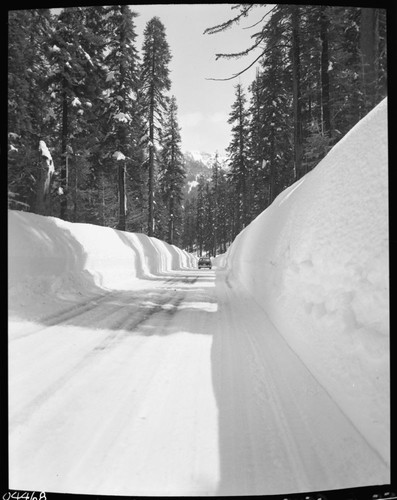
316, 261
50, 254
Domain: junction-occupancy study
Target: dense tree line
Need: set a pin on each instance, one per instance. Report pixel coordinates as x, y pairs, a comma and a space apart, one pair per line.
82, 98
319, 71
82, 94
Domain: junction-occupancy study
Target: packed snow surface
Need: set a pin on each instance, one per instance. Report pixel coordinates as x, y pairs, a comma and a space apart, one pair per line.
131, 372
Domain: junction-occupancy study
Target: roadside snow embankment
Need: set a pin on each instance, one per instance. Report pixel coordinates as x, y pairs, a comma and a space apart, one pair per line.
317, 262
51, 256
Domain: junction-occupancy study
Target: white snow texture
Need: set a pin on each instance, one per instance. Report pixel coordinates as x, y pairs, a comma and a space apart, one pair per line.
317, 261
48, 255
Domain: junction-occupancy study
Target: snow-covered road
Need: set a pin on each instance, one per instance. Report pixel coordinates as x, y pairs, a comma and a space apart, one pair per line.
173, 389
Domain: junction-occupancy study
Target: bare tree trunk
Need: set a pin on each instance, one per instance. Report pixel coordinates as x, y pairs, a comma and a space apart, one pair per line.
272, 186
103, 198
369, 52
64, 169
296, 83
124, 137
171, 222
75, 193
325, 102
122, 197
216, 208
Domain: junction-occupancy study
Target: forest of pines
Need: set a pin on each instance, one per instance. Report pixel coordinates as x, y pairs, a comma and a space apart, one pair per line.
93, 132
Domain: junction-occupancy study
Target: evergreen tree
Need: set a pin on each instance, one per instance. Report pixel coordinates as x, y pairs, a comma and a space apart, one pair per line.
325, 79
296, 90
189, 211
256, 147
122, 138
239, 156
154, 83
201, 213
30, 112
315, 84
271, 138
215, 180
209, 220
86, 159
222, 202
66, 82
171, 171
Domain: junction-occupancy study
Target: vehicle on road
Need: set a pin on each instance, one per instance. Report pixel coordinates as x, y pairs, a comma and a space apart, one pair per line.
204, 262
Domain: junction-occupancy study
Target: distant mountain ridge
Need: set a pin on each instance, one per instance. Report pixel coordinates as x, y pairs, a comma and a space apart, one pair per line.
199, 163
205, 158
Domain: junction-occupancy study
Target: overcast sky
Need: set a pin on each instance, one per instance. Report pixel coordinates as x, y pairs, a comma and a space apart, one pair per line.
203, 105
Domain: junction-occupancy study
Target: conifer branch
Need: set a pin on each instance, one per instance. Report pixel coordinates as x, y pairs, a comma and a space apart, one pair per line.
240, 72
264, 52
263, 17
243, 53
227, 24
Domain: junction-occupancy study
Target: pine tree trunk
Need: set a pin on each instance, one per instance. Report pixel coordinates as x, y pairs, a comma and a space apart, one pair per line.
243, 172
296, 83
122, 197
123, 133
75, 192
215, 212
103, 198
369, 49
151, 174
171, 222
151, 193
272, 168
64, 169
151, 162
325, 102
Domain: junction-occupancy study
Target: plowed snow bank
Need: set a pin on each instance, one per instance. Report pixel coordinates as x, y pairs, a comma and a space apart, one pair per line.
48, 255
317, 262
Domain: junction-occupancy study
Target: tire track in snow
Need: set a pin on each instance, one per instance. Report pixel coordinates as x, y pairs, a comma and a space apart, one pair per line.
149, 412
129, 421
79, 309
285, 426
307, 388
122, 328
66, 314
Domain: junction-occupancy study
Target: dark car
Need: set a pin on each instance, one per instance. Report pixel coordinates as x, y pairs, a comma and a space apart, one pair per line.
204, 262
